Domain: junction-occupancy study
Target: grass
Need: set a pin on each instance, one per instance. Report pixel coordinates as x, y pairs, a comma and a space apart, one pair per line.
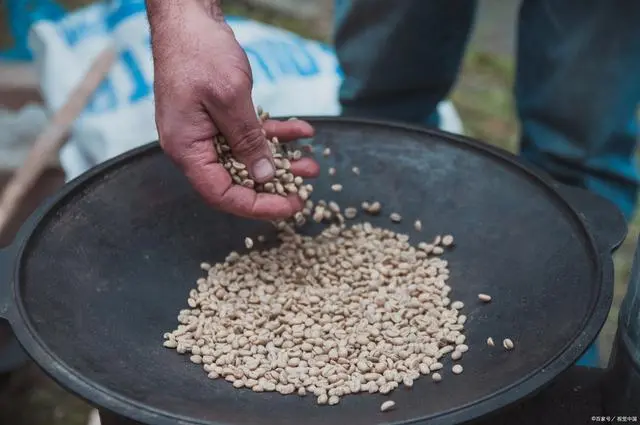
484, 101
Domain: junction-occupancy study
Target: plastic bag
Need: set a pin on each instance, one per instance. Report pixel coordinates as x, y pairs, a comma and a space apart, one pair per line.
19, 131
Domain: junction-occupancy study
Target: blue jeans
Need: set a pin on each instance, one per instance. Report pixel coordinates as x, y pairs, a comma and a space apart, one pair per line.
577, 83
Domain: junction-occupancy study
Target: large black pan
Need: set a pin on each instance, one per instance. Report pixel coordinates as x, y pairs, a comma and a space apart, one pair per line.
98, 275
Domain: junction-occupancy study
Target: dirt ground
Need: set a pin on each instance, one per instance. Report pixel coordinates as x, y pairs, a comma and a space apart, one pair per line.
483, 98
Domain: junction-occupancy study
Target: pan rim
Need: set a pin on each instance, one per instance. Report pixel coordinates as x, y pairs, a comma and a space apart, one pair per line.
76, 382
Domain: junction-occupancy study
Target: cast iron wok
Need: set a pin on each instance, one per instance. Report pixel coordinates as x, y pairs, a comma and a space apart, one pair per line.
99, 274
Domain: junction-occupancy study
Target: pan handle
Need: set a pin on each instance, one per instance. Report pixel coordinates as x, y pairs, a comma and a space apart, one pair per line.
603, 219
12, 356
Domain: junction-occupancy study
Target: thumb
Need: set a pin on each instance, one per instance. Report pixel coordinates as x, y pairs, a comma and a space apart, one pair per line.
249, 146
243, 131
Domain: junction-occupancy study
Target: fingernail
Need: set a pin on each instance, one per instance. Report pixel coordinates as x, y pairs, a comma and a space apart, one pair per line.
263, 170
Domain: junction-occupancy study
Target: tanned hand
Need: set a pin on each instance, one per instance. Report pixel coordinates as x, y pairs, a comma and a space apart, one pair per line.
202, 87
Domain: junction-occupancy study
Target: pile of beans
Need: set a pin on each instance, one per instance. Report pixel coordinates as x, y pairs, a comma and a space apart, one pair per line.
354, 309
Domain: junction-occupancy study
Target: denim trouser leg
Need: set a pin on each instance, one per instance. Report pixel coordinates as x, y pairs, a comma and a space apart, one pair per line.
400, 58
577, 90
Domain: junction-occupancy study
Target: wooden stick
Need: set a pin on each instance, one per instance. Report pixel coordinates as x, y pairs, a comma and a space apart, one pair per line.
53, 138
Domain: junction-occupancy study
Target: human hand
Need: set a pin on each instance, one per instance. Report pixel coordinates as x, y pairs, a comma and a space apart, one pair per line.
202, 87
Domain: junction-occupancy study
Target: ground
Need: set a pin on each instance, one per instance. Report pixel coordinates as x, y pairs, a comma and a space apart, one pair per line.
483, 98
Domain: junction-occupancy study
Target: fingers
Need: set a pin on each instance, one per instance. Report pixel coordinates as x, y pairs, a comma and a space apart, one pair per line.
236, 118
287, 131
239, 200
214, 183
250, 147
305, 167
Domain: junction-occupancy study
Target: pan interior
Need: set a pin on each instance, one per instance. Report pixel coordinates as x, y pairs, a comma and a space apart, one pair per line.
106, 272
